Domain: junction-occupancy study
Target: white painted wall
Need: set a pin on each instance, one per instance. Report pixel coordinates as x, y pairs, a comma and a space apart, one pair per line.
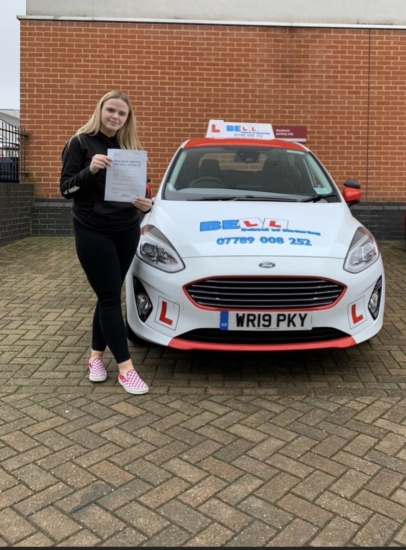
292, 12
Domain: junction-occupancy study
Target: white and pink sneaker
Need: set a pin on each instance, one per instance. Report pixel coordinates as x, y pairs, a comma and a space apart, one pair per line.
97, 371
132, 383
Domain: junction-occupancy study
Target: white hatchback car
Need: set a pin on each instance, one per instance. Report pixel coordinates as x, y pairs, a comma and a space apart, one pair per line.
251, 246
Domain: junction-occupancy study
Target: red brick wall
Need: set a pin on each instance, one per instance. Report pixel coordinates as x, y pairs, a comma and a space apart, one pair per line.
347, 86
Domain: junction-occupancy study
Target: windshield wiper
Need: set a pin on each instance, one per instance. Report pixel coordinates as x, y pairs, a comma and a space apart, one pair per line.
315, 198
244, 198
269, 199
212, 198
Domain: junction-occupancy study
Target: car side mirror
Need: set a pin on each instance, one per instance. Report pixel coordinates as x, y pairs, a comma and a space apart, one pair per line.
352, 192
354, 184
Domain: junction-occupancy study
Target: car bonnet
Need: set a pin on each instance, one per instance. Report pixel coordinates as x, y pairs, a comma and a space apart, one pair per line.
228, 228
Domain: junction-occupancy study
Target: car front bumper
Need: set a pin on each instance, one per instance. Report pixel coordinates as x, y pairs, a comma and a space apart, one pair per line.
177, 322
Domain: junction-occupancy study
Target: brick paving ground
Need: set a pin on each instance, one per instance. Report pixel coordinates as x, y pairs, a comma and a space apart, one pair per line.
283, 449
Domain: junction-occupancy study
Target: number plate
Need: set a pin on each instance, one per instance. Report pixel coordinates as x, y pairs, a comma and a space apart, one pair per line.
235, 320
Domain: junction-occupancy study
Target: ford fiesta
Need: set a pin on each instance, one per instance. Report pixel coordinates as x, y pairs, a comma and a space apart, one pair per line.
251, 246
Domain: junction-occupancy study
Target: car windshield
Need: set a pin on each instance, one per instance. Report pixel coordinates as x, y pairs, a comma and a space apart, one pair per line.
248, 173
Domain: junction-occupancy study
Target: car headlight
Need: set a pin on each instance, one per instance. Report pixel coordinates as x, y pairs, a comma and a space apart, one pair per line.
363, 251
155, 249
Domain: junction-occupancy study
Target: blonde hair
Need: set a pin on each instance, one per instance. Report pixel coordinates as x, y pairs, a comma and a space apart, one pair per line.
127, 135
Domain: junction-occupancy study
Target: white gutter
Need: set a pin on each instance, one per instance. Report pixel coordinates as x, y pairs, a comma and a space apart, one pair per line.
209, 22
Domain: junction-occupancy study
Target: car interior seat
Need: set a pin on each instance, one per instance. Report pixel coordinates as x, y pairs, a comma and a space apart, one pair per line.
277, 173
210, 169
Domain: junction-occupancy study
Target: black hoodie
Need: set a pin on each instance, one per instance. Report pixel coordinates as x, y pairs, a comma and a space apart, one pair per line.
87, 189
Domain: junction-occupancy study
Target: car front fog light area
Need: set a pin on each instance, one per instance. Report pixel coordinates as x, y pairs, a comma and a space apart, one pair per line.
142, 301
375, 299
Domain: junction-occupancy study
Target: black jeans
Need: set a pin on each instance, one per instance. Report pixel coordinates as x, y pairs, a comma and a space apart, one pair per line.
106, 258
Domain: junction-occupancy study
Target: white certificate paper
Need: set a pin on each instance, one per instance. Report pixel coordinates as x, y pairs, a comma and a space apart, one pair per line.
126, 178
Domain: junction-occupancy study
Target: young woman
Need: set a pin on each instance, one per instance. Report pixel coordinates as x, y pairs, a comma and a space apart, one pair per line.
106, 232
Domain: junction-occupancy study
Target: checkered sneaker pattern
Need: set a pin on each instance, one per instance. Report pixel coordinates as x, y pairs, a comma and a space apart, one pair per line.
97, 371
132, 383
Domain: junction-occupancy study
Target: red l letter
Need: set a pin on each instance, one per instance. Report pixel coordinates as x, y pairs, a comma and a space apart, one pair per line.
162, 317
355, 318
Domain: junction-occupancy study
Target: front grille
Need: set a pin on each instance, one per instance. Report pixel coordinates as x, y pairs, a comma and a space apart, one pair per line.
253, 337
248, 293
